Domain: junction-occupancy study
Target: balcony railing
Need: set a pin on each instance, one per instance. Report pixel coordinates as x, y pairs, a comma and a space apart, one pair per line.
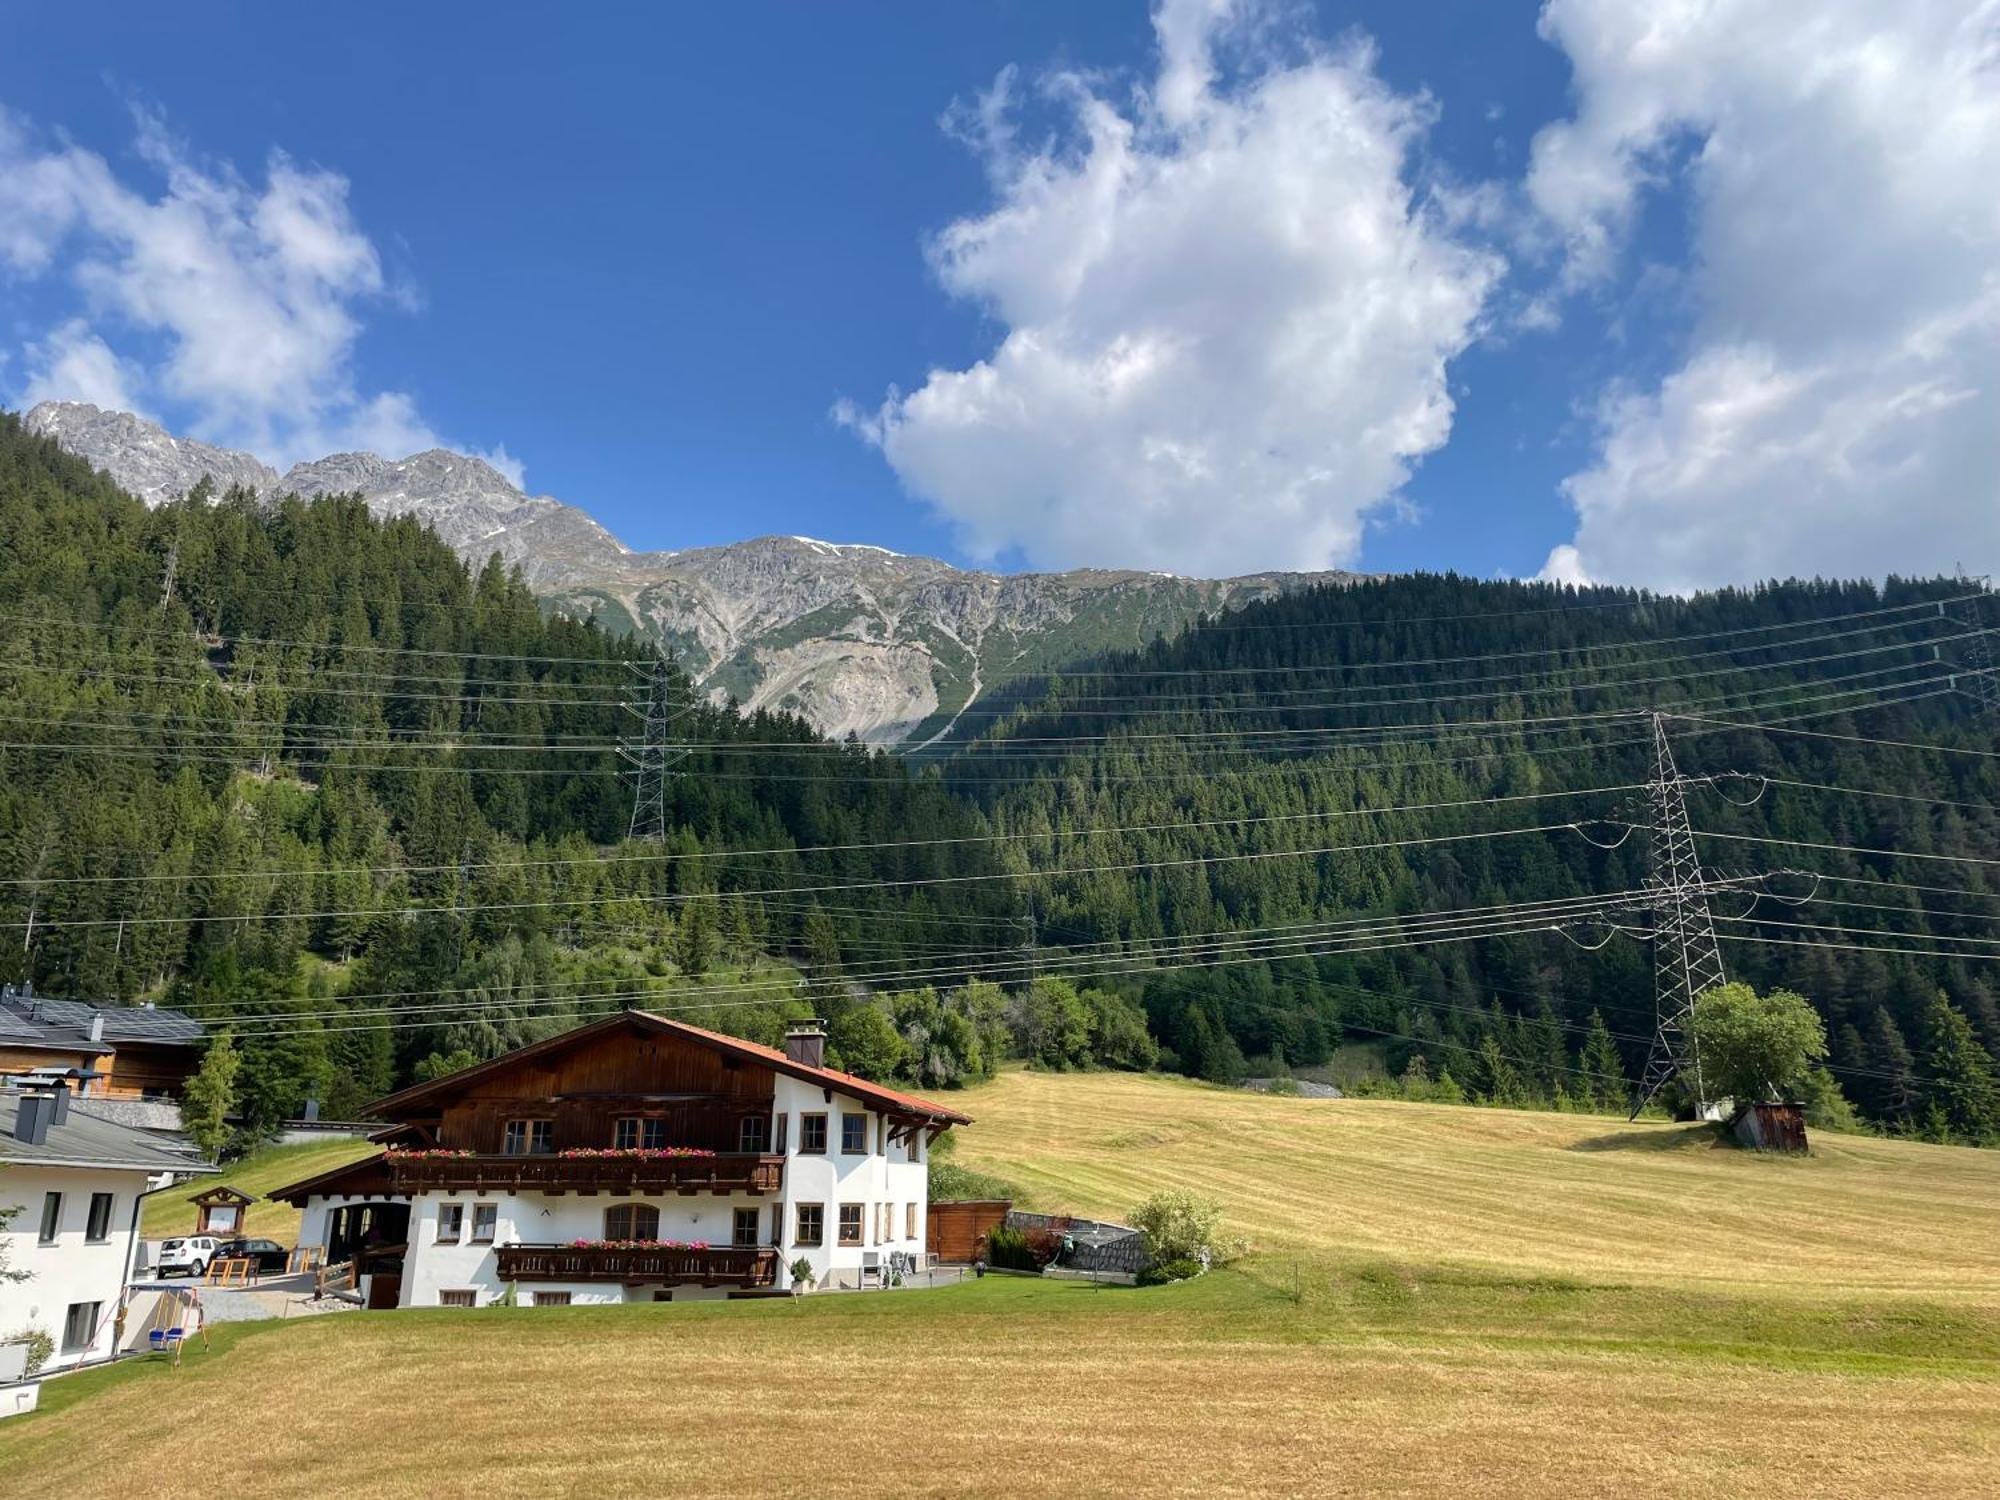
739, 1266
735, 1172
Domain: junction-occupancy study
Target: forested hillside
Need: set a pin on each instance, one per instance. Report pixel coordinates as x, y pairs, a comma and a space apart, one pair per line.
1207, 802
301, 771
304, 773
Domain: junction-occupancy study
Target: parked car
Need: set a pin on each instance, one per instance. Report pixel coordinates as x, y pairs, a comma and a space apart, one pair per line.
191, 1255
268, 1254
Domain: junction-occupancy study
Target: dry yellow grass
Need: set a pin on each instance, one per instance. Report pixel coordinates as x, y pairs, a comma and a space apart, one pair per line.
1575, 1196
1481, 1310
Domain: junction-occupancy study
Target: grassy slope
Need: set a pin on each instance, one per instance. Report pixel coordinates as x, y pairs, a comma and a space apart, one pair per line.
1443, 1302
171, 1213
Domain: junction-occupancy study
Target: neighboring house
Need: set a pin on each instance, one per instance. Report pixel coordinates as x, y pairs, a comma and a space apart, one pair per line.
634, 1159
125, 1052
77, 1181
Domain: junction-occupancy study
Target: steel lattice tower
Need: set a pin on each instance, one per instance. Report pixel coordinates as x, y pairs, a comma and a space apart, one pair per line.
1979, 663
654, 755
1686, 957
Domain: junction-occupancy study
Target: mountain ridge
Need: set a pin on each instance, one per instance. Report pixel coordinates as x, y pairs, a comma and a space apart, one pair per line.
857, 638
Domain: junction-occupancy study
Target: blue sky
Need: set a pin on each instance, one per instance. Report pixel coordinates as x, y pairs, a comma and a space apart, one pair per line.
646, 255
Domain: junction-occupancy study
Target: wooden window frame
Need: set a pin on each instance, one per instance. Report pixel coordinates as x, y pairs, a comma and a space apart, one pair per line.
744, 1131
777, 1226
96, 1231
649, 1133
553, 1299
818, 1236
632, 1230
781, 1133
49, 1231
493, 1223
910, 1220
736, 1235
457, 1213
534, 1125
848, 1118
858, 1210
806, 1121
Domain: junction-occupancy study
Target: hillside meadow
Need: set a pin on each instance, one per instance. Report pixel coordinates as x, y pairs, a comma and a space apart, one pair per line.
1438, 1301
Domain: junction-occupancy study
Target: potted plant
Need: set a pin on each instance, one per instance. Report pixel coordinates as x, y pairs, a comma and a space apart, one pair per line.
803, 1276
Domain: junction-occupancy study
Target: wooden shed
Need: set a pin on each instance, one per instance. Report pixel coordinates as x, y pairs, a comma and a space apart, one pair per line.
1771, 1127
958, 1229
219, 1211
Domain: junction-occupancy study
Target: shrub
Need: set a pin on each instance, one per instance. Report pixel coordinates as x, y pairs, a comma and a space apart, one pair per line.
1180, 1268
802, 1271
40, 1347
1182, 1226
1008, 1248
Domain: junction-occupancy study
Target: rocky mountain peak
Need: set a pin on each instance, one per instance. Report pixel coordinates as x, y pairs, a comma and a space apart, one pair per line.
854, 637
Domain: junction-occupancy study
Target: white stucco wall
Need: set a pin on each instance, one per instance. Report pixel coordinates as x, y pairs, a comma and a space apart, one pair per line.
869, 1179
72, 1269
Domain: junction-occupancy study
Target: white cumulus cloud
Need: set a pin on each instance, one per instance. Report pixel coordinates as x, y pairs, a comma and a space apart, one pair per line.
1836, 408
230, 304
1228, 311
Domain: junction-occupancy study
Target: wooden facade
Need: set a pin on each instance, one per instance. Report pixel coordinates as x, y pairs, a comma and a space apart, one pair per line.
958, 1230
699, 1098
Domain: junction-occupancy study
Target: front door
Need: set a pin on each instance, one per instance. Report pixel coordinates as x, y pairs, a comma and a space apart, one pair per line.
385, 1290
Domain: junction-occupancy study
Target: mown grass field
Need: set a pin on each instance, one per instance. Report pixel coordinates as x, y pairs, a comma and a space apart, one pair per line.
170, 1212
1440, 1302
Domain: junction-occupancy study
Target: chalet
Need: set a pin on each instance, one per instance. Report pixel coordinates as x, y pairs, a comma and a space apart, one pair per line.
129, 1052
633, 1159
74, 1182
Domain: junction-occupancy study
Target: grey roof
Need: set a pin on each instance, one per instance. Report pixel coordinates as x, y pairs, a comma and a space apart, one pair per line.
71, 1019
85, 1141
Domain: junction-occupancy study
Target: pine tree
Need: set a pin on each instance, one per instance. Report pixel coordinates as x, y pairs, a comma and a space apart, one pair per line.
1603, 1082
1962, 1092
210, 1095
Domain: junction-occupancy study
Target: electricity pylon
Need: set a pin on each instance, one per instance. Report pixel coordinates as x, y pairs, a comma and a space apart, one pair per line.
1686, 958
1978, 677
654, 755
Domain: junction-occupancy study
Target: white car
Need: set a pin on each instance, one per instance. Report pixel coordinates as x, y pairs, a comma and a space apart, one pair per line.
191, 1255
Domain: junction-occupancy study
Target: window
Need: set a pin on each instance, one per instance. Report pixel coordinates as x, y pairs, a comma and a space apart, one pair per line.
552, 1299
80, 1327
853, 1135
744, 1230
754, 1134
459, 1297
911, 1149
882, 1211
529, 1138
812, 1135
631, 1221
850, 1223
781, 1134
812, 1224
451, 1222
909, 1221
485, 1220
51, 1217
97, 1229
777, 1223
636, 1132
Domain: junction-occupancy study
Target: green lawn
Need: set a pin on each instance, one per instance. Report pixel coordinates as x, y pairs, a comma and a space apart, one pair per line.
170, 1212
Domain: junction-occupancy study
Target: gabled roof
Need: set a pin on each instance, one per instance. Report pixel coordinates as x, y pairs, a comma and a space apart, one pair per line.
888, 1100
68, 1021
84, 1140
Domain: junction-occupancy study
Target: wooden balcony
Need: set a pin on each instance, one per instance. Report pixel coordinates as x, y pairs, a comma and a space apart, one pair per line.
747, 1266
735, 1172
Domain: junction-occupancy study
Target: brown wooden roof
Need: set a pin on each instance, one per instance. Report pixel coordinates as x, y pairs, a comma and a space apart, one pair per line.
889, 1101
366, 1178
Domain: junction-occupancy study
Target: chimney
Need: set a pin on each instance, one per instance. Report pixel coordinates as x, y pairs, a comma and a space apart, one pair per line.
32, 1118
805, 1042
97, 1026
61, 1111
